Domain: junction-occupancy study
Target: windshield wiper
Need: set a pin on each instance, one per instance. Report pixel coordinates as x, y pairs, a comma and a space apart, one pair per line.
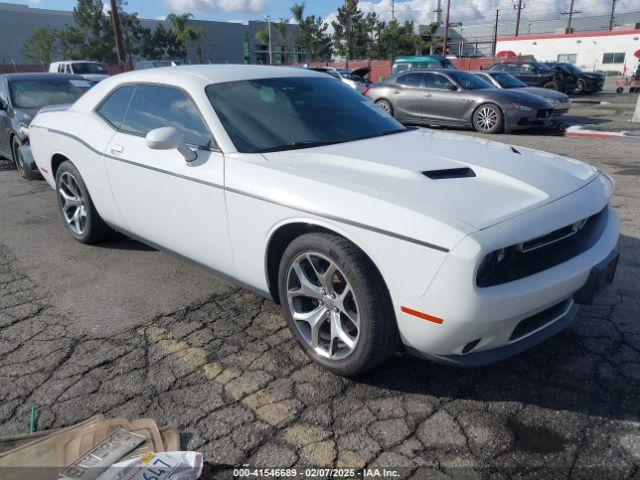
300, 145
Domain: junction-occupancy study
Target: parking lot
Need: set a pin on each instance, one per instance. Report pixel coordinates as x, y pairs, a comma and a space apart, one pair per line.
124, 330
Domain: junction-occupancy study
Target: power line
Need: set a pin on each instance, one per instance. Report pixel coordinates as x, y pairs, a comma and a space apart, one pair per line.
570, 13
519, 6
613, 14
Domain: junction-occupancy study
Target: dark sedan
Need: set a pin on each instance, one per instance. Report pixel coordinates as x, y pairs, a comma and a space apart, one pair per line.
21, 96
561, 101
456, 98
585, 82
535, 74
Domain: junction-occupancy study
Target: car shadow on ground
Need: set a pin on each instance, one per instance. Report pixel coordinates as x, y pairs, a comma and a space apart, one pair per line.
592, 367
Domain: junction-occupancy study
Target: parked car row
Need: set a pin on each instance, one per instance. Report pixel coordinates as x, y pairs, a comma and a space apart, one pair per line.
301, 189
465, 99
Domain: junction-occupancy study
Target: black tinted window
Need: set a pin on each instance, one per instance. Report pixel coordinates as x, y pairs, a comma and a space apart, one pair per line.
115, 106
154, 107
275, 114
411, 80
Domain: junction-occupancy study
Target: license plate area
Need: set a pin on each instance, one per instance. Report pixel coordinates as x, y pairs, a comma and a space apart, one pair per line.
600, 278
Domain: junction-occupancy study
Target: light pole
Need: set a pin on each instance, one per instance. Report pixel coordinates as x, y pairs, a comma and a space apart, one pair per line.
268, 17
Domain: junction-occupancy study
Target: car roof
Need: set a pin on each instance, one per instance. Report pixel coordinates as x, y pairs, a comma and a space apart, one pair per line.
425, 59
208, 74
40, 75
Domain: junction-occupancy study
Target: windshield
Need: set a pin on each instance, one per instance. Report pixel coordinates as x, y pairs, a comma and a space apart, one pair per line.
507, 80
469, 81
37, 93
89, 68
276, 114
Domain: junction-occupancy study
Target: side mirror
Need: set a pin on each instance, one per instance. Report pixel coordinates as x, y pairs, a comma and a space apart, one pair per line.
168, 138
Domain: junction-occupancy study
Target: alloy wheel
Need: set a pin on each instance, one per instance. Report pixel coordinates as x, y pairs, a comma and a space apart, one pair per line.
384, 106
487, 118
72, 203
323, 305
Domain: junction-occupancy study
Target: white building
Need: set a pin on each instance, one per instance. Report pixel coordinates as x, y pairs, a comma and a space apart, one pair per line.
603, 50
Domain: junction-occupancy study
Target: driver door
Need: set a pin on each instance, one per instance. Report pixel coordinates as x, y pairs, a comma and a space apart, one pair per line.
177, 205
408, 96
442, 103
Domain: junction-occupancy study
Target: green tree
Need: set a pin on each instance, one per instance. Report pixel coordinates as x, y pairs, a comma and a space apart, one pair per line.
351, 31
92, 36
396, 39
281, 39
162, 44
431, 39
43, 45
133, 33
186, 33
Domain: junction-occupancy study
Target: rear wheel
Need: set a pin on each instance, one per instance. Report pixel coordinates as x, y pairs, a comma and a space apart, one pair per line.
488, 118
386, 106
76, 207
336, 304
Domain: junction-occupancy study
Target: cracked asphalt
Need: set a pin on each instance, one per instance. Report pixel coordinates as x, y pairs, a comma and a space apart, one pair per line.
126, 331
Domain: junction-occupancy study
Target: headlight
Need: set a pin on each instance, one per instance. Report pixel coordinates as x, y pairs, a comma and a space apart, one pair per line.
25, 132
522, 108
491, 261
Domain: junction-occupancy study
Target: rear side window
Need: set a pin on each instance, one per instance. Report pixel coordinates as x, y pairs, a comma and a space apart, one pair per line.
115, 106
414, 80
155, 106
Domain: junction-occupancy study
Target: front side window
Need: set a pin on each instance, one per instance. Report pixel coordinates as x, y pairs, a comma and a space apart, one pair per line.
277, 114
36, 92
439, 82
154, 107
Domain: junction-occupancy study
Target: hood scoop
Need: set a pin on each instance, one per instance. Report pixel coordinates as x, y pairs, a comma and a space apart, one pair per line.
449, 173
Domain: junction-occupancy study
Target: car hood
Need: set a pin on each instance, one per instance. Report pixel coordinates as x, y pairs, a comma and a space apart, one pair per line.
508, 181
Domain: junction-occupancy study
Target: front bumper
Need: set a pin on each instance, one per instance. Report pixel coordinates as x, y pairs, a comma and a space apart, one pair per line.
25, 156
488, 319
517, 119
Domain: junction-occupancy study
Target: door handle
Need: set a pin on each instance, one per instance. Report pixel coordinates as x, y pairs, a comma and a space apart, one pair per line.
395, 92
115, 149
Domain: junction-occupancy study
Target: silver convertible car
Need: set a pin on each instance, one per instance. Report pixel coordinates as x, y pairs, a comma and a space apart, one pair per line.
455, 98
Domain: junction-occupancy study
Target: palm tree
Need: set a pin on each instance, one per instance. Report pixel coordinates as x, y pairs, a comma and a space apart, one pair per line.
302, 32
281, 29
186, 33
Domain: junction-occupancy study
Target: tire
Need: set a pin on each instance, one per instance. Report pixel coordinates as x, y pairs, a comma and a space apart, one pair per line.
581, 87
76, 207
386, 106
488, 118
552, 86
367, 335
24, 173
619, 90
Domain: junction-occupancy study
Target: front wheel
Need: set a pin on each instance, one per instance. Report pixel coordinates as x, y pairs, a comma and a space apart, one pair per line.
488, 118
581, 87
76, 207
336, 305
553, 85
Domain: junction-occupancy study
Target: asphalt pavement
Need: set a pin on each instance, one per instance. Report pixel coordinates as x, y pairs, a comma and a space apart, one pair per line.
124, 330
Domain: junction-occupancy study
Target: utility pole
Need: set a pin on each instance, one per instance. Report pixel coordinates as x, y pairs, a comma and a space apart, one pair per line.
570, 13
393, 9
438, 12
613, 14
495, 32
270, 46
519, 8
117, 32
446, 30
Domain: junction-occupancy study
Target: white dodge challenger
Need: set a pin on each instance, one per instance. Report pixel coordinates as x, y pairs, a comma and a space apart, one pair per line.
370, 235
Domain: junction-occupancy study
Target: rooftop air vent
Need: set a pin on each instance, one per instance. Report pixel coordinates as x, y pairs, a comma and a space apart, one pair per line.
449, 173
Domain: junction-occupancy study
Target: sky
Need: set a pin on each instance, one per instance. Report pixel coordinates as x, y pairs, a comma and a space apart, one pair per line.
420, 11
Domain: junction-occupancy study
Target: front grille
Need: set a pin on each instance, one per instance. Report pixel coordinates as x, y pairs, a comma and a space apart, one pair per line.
534, 322
545, 113
547, 251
